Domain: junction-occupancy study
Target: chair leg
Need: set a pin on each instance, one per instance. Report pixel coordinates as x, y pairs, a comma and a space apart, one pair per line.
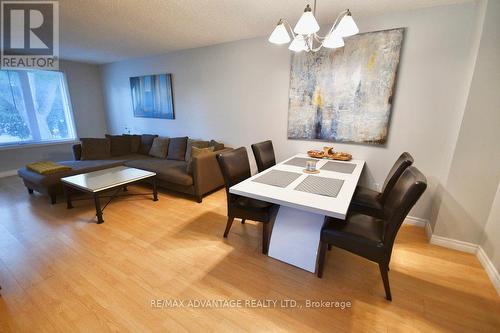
242, 221
385, 278
53, 199
266, 233
228, 225
321, 259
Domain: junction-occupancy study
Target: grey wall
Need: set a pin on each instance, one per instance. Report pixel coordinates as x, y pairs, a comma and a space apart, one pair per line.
84, 84
84, 81
238, 93
475, 169
491, 237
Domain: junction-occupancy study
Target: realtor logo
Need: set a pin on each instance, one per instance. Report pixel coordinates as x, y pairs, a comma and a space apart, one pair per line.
29, 35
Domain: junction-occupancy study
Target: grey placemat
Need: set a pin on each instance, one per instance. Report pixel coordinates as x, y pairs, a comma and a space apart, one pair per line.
321, 185
277, 178
339, 167
299, 161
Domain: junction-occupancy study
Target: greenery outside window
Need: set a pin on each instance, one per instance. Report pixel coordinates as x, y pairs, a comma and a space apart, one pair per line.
34, 108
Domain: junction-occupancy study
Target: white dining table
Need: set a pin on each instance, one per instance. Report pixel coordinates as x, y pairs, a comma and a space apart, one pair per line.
297, 228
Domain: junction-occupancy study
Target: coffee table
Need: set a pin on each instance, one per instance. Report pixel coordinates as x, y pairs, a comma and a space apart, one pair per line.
97, 182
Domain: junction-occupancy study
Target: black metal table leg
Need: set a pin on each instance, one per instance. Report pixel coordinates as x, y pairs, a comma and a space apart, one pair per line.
98, 210
155, 190
67, 194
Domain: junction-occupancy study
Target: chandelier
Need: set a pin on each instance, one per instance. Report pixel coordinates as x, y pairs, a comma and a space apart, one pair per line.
305, 37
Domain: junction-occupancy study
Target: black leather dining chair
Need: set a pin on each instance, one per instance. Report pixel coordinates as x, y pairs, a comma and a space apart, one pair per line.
235, 168
371, 237
264, 155
370, 202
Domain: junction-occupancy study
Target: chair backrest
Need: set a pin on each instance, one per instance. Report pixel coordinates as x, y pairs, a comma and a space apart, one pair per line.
264, 155
234, 166
405, 193
403, 162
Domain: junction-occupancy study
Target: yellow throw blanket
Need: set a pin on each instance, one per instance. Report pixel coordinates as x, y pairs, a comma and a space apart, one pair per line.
47, 167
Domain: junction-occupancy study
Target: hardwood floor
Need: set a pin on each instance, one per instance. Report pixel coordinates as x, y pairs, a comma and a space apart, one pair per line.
62, 272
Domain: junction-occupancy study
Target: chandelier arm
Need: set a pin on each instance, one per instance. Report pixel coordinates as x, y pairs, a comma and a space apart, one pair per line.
288, 26
320, 42
337, 20
318, 38
318, 48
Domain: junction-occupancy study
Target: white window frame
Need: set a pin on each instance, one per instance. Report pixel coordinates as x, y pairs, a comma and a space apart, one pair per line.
31, 112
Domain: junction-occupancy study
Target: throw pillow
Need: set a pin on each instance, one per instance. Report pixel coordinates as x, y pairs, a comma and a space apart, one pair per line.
95, 149
195, 152
135, 142
194, 143
120, 145
216, 145
146, 143
159, 148
177, 148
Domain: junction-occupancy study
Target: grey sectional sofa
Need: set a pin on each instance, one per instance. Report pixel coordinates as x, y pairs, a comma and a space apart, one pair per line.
203, 177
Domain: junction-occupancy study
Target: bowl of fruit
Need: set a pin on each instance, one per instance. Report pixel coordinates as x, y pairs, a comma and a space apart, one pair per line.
329, 153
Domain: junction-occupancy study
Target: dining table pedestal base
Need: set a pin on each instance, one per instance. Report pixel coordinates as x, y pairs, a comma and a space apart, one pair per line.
295, 237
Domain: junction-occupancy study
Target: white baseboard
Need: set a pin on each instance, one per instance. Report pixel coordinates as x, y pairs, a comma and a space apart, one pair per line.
416, 221
459, 246
8, 173
454, 244
419, 222
428, 231
468, 248
489, 268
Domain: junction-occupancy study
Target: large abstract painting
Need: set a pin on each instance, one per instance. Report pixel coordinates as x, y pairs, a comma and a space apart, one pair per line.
345, 95
152, 96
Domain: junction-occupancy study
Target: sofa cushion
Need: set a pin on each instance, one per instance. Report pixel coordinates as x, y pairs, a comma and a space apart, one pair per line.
160, 147
167, 170
135, 142
77, 167
177, 149
217, 145
146, 143
194, 143
130, 157
95, 148
197, 152
120, 145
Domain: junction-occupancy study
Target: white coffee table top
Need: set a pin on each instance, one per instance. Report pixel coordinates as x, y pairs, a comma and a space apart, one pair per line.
101, 180
311, 202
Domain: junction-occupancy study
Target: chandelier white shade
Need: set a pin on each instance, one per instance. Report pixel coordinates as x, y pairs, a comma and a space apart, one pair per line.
298, 44
307, 23
347, 27
280, 35
304, 35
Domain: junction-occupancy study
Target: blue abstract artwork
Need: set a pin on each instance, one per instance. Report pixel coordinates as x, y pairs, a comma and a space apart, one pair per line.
345, 94
152, 96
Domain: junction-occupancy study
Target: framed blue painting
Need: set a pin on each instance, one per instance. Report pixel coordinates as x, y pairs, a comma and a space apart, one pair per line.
152, 96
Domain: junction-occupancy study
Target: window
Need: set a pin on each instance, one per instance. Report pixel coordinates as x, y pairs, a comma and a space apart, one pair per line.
34, 108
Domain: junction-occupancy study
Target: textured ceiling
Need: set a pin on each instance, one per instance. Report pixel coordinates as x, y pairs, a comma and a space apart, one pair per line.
102, 31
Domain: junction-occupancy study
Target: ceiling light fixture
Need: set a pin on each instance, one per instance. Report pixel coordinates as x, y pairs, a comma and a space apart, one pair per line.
305, 37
